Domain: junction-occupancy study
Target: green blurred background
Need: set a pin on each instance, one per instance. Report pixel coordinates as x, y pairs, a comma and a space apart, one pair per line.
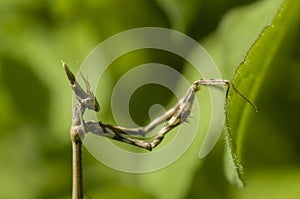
35, 97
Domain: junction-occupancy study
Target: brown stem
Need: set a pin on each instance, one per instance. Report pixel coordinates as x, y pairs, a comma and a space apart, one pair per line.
77, 189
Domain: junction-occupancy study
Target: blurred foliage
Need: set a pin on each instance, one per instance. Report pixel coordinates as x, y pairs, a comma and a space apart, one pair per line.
35, 97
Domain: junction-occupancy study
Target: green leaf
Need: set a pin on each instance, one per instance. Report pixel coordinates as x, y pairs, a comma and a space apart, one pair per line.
237, 32
249, 77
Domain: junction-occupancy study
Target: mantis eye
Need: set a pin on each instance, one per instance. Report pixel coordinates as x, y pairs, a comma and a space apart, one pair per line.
91, 103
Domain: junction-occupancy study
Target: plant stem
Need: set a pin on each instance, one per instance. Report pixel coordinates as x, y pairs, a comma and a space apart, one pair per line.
77, 189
